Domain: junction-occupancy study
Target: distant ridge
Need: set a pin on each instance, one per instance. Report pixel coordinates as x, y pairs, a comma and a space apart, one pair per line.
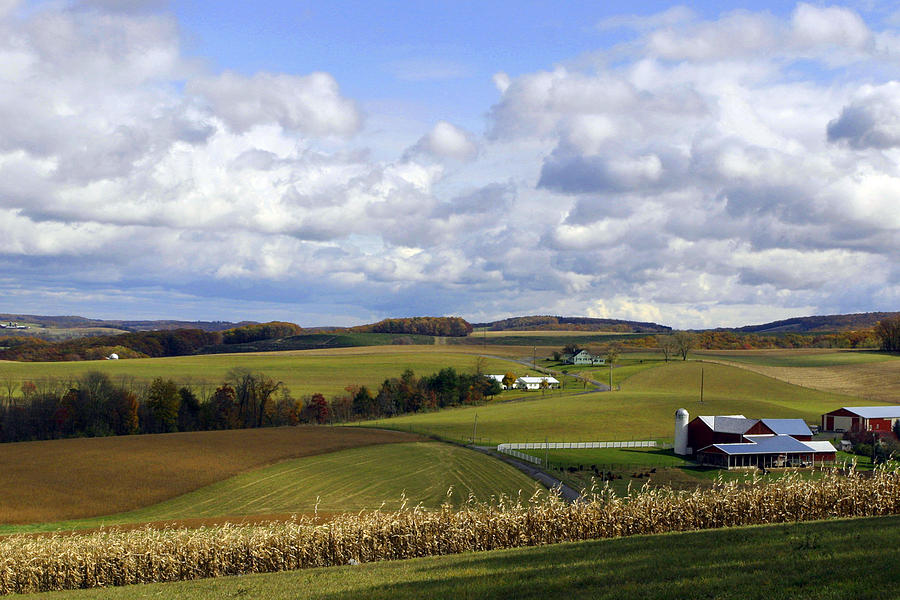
823, 323
551, 323
78, 322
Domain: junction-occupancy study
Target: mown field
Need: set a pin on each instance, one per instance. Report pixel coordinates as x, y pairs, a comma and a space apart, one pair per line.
366, 478
869, 377
74, 478
304, 372
643, 409
825, 560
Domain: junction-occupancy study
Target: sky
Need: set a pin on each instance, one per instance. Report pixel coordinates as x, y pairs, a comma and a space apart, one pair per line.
718, 164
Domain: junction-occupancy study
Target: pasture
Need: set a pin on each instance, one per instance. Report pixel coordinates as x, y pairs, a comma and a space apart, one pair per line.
643, 409
869, 377
304, 372
85, 477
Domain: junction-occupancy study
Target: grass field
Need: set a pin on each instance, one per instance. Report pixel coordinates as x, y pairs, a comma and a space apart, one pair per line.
776, 562
644, 408
869, 377
371, 477
304, 372
74, 478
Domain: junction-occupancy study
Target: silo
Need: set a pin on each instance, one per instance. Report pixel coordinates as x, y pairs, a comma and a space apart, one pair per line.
681, 431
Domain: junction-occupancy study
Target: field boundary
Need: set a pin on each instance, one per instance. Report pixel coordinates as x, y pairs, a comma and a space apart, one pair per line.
512, 448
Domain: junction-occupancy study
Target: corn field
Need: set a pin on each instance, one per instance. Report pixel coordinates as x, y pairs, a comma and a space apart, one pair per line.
110, 558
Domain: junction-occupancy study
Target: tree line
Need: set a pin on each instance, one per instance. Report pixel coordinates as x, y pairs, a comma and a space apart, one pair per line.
439, 326
94, 405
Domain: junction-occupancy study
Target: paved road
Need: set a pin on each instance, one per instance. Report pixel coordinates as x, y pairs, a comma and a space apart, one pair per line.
567, 493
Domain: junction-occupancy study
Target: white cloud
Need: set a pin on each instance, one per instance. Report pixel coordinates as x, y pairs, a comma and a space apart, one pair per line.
446, 140
311, 104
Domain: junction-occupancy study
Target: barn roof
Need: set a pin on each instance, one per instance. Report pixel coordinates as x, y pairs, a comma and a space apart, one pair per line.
874, 412
772, 444
539, 379
787, 426
728, 423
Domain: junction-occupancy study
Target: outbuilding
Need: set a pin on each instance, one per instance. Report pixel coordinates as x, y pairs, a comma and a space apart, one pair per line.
857, 419
536, 383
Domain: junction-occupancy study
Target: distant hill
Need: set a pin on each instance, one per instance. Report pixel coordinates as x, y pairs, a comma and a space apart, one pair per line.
74, 322
556, 323
825, 323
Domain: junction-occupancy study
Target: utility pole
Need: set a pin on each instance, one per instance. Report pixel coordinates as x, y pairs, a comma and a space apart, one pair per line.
546, 452
701, 385
475, 429
534, 357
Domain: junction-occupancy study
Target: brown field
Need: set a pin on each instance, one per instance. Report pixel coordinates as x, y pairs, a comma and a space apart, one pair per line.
77, 478
877, 382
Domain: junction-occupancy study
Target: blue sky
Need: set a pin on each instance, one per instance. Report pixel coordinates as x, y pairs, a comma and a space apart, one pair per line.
338, 163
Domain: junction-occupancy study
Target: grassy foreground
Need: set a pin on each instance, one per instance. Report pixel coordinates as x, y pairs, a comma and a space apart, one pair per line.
771, 562
371, 477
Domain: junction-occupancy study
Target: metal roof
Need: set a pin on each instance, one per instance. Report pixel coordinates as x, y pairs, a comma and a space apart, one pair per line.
875, 412
538, 379
772, 444
728, 423
821, 446
787, 426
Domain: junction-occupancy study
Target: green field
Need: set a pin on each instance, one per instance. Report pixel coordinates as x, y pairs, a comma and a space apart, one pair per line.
371, 477
825, 560
644, 409
326, 372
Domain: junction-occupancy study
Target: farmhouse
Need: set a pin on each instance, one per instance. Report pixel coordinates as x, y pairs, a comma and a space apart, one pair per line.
583, 358
861, 419
534, 383
734, 441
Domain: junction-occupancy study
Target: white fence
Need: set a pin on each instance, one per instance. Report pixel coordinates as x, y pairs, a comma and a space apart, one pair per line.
575, 445
520, 455
512, 449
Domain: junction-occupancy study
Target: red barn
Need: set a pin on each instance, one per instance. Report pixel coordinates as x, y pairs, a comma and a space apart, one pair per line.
736, 441
861, 419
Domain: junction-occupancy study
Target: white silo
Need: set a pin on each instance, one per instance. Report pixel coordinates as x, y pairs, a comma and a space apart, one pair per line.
681, 431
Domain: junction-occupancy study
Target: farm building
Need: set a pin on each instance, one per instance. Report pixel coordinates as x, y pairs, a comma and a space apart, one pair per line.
583, 358
735, 441
534, 383
861, 418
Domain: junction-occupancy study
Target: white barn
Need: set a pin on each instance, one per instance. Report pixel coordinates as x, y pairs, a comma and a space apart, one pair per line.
534, 383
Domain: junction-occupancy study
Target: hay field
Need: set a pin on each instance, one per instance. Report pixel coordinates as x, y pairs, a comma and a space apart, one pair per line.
644, 408
74, 478
366, 478
867, 377
303, 371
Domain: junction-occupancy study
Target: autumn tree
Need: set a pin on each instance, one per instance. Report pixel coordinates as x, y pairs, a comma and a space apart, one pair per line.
888, 332
509, 380
667, 345
685, 341
163, 402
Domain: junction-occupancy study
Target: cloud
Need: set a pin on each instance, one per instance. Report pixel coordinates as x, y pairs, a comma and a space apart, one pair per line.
444, 141
871, 120
311, 104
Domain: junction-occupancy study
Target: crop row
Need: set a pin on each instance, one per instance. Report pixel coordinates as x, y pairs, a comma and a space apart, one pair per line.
109, 558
